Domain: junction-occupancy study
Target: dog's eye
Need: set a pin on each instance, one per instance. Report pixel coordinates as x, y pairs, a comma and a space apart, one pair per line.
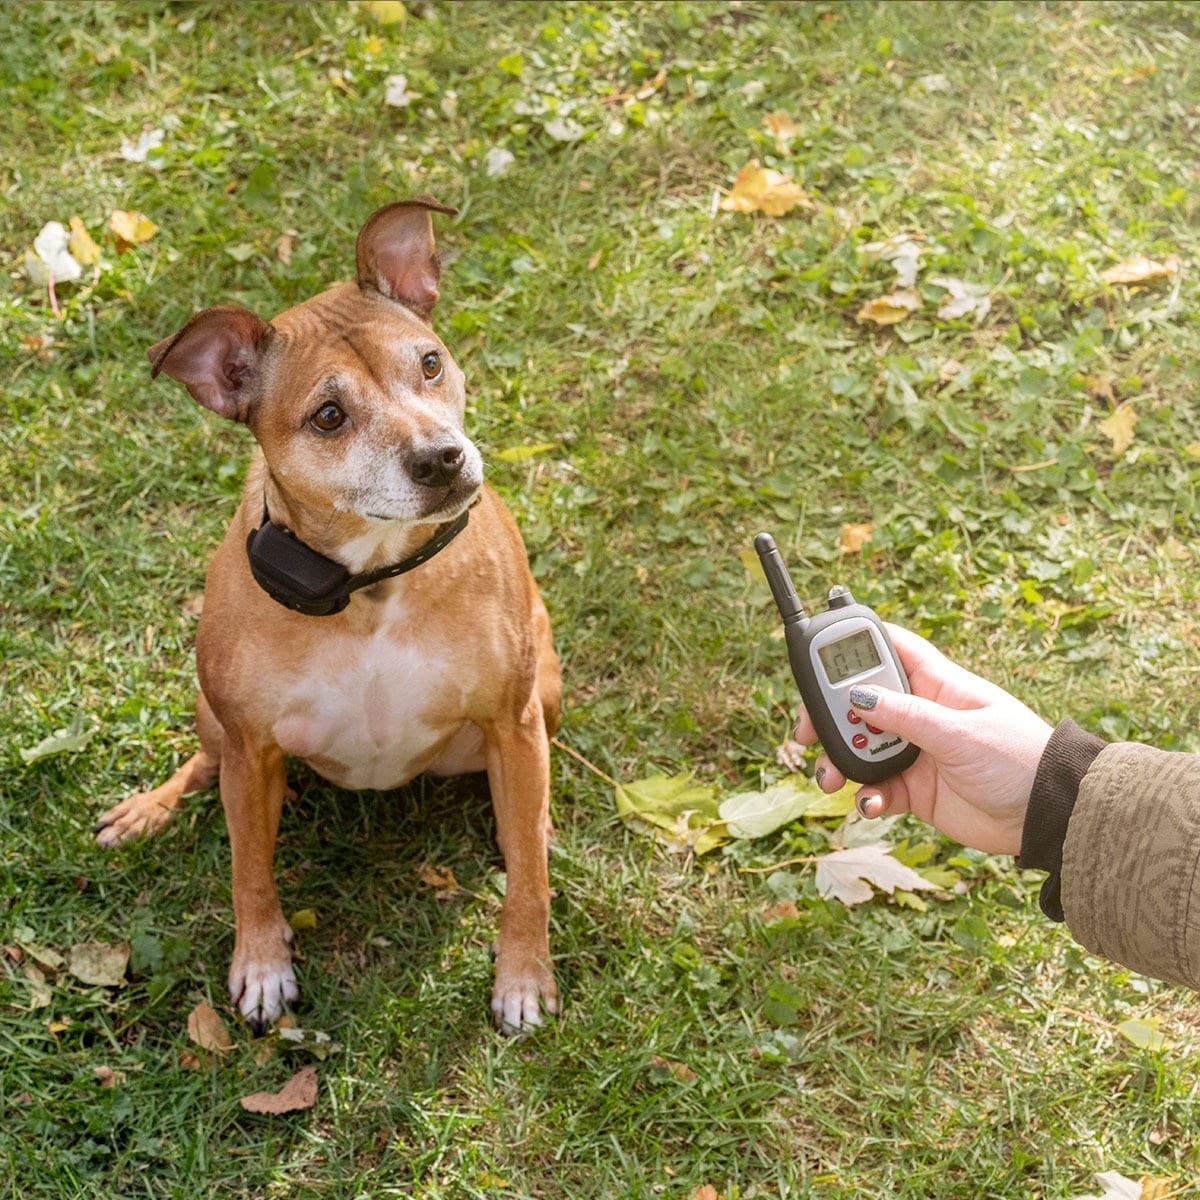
327, 418
431, 365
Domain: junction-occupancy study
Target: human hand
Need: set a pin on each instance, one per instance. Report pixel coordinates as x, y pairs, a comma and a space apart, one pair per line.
980, 749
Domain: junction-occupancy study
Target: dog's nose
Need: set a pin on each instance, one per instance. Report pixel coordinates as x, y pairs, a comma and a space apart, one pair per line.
436, 466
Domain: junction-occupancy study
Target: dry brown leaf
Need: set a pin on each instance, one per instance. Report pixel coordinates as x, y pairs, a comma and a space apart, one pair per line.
207, 1030
782, 128
785, 910
949, 369
707, 1192
106, 1077
1139, 269
441, 879
300, 1092
681, 1071
283, 248
890, 309
762, 189
1118, 426
101, 964
855, 537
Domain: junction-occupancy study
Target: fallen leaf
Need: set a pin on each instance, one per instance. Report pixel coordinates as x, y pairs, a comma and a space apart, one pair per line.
890, 309
83, 249
680, 1071
782, 128
707, 1192
851, 875
837, 804
189, 1061
521, 453
1118, 427
300, 1092
902, 251
1143, 1032
1118, 1187
682, 813
283, 248
397, 93
1140, 269
106, 1077
564, 129
305, 918
758, 814
101, 964
132, 227
785, 910
63, 741
441, 879
962, 299
855, 537
762, 189
141, 150
206, 1028
790, 754
949, 369
40, 995
385, 12
50, 258
497, 160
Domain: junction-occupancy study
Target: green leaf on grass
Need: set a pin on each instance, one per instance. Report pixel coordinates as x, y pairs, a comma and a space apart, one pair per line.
1143, 1033
63, 741
521, 453
836, 805
757, 814
680, 812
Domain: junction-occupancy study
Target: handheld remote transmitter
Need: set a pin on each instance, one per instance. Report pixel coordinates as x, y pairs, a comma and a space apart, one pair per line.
829, 653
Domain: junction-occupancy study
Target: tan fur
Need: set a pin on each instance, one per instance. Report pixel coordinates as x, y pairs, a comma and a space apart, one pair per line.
446, 669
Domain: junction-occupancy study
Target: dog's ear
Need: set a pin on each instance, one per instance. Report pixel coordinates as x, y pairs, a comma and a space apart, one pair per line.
396, 255
214, 356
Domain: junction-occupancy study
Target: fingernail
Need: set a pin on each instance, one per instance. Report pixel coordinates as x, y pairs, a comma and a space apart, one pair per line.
819, 775
861, 802
863, 697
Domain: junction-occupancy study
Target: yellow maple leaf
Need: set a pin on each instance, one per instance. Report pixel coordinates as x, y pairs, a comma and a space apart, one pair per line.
1139, 269
1118, 426
386, 12
855, 537
890, 309
132, 226
83, 250
762, 189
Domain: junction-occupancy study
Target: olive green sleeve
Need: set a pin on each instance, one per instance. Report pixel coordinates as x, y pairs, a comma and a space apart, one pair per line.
1131, 862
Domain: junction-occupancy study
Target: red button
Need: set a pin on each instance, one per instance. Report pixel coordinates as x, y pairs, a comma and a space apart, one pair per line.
873, 729
859, 741
853, 717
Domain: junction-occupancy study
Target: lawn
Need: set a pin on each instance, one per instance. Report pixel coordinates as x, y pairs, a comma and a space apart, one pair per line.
653, 377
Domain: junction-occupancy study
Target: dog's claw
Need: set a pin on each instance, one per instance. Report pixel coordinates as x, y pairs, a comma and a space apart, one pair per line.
519, 1004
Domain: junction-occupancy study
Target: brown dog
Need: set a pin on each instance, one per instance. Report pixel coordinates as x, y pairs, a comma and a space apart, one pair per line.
448, 667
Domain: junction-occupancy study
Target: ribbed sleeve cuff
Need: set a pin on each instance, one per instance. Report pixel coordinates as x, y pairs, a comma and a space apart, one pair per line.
1065, 761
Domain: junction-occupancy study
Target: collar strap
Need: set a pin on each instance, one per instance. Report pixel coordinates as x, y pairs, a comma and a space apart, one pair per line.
298, 577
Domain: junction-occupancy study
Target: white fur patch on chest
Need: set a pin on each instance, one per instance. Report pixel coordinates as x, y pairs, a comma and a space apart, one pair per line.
361, 714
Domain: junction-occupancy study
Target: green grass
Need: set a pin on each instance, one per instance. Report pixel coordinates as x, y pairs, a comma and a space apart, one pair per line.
702, 377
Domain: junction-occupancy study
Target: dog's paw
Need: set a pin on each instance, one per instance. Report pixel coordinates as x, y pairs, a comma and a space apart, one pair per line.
141, 815
520, 998
263, 987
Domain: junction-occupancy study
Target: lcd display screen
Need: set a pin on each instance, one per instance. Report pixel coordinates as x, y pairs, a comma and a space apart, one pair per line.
849, 656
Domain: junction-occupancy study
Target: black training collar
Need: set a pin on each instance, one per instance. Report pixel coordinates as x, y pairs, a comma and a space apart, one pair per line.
299, 578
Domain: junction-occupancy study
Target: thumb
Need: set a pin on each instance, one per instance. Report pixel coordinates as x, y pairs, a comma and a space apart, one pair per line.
917, 720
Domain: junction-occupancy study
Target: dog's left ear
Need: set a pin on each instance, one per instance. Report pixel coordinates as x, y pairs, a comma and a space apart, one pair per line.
396, 255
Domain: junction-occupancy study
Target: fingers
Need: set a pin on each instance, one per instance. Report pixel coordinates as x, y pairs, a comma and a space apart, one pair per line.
923, 722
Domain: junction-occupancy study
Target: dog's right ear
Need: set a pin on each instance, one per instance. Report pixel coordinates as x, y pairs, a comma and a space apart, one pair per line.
214, 356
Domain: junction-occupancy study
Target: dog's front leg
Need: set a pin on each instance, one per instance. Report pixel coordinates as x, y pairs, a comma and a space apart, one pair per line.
518, 766
261, 980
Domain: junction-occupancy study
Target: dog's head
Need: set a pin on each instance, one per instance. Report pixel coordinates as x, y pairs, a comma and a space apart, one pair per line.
355, 401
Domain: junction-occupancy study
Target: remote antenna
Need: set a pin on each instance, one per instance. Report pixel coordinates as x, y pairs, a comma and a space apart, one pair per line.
782, 588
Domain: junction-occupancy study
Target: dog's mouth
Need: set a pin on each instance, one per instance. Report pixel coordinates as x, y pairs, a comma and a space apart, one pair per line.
444, 504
